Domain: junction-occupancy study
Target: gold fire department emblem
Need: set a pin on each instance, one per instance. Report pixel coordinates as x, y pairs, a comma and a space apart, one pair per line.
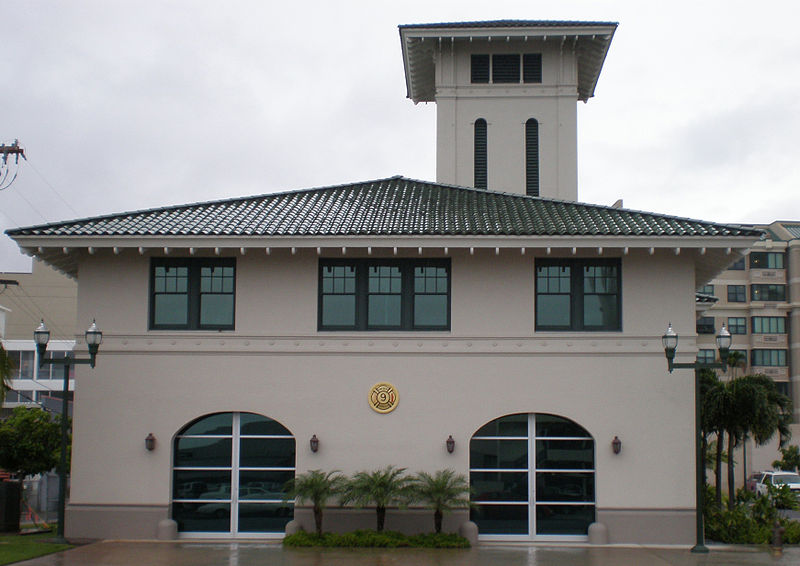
383, 397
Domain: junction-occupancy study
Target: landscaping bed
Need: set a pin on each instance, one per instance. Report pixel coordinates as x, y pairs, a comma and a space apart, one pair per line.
375, 539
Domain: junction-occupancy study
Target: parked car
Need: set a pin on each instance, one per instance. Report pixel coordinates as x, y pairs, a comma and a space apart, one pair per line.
752, 480
778, 479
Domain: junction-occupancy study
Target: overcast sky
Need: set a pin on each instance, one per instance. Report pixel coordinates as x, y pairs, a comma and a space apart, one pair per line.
122, 105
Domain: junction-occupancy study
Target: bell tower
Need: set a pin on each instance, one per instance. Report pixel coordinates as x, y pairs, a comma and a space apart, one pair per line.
506, 96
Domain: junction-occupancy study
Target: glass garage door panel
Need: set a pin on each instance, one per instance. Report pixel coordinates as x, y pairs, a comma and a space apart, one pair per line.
532, 474
228, 475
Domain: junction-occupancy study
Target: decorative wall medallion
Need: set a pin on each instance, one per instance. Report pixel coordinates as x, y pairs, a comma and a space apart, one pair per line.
383, 397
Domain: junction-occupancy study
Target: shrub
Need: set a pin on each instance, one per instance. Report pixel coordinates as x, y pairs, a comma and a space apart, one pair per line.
375, 539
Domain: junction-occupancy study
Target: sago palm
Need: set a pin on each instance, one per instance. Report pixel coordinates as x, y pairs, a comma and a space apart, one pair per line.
381, 488
317, 487
442, 491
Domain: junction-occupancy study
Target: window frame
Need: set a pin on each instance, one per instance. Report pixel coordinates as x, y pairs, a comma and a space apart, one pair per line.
576, 294
738, 265
733, 297
737, 324
768, 320
776, 352
361, 293
194, 292
529, 68
768, 289
768, 258
706, 325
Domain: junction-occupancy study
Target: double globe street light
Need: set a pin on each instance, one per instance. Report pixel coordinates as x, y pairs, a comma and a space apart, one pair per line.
41, 336
670, 342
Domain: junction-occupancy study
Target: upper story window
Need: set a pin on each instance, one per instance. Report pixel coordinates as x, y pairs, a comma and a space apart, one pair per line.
766, 260
706, 356
738, 265
705, 325
767, 292
737, 294
769, 325
737, 325
506, 68
192, 294
384, 295
581, 295
760, 357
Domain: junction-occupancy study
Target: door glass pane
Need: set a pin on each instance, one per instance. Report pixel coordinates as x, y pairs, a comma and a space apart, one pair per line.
202, 517
565, 454
271, 482
509, 454
564, 486
201, 484
266, 453
500, 519
264, 517
564, 519
203, 452
499, 486
219, 424
512, 425
552, 425
252, 424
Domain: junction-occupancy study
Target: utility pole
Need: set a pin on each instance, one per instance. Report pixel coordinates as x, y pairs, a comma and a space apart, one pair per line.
6, 151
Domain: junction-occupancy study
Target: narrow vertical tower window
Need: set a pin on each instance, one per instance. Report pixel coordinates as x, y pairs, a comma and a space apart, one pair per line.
480, 154
531, 158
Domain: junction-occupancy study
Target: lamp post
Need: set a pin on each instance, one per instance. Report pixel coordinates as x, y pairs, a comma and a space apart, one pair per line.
670, 342
93, 339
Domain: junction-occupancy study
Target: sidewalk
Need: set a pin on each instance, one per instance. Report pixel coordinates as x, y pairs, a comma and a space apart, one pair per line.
272, 554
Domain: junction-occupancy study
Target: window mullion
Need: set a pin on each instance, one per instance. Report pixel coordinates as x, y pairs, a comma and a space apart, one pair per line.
362, 294
576, 304
194, 294
407, 296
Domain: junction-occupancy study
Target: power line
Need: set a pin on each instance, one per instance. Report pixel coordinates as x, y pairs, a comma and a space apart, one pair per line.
52, 188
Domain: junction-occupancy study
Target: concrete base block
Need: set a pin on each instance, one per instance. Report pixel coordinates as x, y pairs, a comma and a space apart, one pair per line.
167, 530
293, 526
598, 533
469, 531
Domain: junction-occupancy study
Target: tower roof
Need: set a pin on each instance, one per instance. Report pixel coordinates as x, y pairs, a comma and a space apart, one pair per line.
590, 39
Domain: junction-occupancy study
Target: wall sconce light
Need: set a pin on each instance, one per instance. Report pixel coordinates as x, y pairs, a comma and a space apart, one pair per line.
314, 442
451, 444
150, 442
616, 445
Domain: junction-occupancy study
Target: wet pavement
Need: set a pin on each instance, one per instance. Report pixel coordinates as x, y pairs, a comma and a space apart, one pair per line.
113, 553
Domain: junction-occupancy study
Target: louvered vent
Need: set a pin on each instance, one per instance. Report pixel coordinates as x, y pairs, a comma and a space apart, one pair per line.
532, 158
480, 154
480, 68
505, 68
532, 67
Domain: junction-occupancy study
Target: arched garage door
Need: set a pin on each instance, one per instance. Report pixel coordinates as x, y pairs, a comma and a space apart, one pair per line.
228, 475
532, 476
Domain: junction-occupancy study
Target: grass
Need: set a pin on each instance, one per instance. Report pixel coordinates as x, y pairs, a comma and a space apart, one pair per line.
14, 548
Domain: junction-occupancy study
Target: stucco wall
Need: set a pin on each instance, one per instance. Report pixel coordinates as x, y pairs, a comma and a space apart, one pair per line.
506, 108
490, 364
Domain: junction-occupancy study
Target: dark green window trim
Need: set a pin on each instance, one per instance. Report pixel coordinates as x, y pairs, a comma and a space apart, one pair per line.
706, 325
378, 279
186, 273
575, 282
737, 324
737, 294
768, 357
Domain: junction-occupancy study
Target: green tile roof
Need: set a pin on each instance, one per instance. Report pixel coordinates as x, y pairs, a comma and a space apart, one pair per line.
387, 207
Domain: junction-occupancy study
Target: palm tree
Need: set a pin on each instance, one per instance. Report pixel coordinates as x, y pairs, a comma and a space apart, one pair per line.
317, 487
6, 371
756, 408
382, 488
441, 492
714, 419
